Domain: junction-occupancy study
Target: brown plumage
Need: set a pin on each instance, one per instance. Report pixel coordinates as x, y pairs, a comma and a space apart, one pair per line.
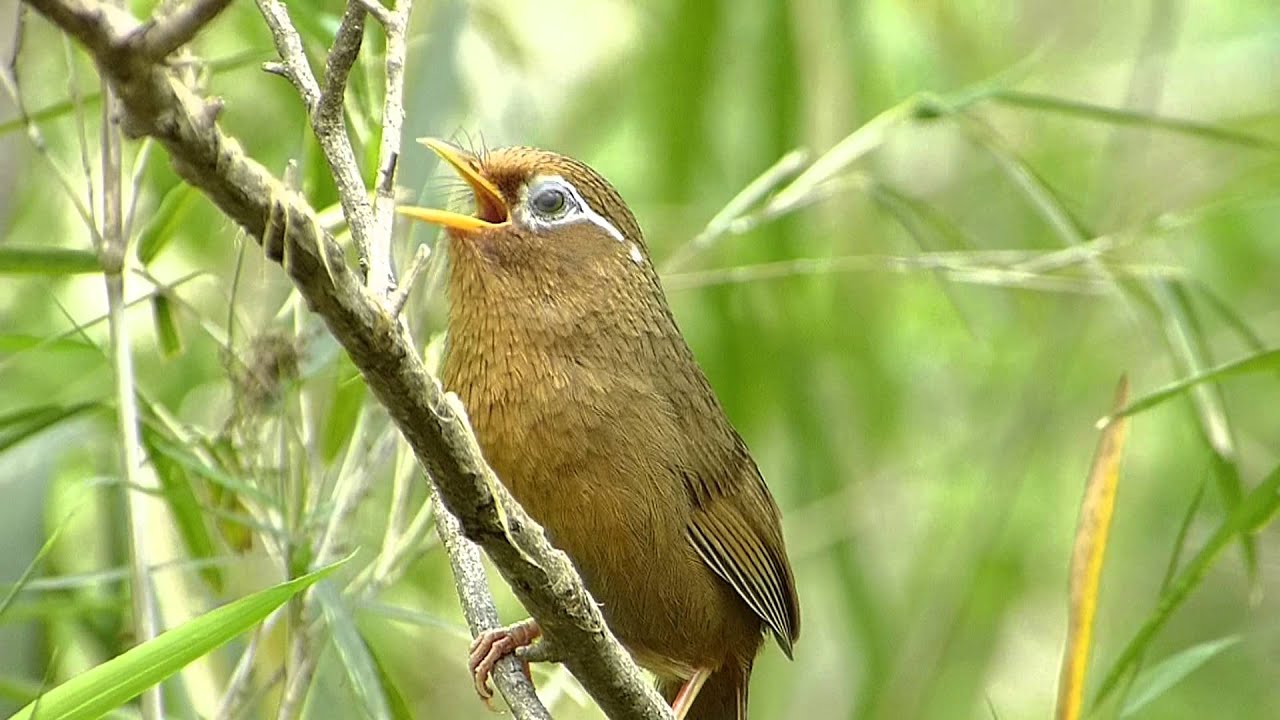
591, 408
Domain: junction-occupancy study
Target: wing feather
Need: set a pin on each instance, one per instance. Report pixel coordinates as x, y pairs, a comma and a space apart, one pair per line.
748, 555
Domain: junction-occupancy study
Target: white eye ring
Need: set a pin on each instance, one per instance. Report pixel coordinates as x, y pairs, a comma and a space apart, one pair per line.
573, 208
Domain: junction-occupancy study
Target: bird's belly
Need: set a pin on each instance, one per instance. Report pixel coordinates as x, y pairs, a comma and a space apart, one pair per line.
622, 522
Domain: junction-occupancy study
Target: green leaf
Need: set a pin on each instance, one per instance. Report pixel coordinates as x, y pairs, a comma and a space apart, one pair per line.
395, 700
164, 224
22, 424
1119, 116
1251, 514
354, 653
344, 410
122, 678
23, 343
30, 570
1257, 362
1169, 672
20, 260
181, 498
167, 334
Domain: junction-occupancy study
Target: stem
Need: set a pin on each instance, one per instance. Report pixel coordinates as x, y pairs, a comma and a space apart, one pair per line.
139, 486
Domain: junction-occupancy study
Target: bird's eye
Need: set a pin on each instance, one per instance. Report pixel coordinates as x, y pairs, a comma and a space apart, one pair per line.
548, 200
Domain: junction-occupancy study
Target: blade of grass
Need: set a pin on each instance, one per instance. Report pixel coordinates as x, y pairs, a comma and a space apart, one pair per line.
1257, 362
22, 424
188, 515
19, 260
1172, 670
30, 570
165, 223
1253, 512
167, 335
1119, 116
15, 344
1092, 531
354, 653
120, 679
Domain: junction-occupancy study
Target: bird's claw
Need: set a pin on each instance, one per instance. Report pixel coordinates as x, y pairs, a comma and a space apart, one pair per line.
490, 647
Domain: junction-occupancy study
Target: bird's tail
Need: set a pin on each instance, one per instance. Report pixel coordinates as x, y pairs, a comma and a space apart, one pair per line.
723, 696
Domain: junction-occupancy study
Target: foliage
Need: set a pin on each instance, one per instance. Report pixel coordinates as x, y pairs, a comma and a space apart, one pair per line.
915, 321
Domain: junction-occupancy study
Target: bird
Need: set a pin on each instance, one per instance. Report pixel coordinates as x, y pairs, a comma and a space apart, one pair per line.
592, 410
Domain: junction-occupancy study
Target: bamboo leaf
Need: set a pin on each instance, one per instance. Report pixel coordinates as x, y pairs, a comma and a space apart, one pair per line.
122, 678
356, 659
26, 260
21, 343
1087, 555
188, 515
344, 409
170, 340
165, 222
22, 424
1169, 672
1257, 362
1251, 514
1120, 116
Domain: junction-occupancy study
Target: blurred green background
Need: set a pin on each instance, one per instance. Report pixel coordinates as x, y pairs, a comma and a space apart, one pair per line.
1021, 225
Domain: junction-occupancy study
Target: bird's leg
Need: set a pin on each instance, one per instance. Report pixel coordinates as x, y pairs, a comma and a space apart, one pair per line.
688, 693
491, 645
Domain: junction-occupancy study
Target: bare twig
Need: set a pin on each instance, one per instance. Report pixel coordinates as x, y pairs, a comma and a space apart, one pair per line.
165, 34
326, 120
482, 615
239, 685
400, 295
289, 48
381, 278
377, 10
342, 56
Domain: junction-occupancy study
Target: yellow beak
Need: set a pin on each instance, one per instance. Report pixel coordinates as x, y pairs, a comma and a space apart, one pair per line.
489, 202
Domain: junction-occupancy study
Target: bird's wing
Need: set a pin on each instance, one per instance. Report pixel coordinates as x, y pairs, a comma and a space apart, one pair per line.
736, 529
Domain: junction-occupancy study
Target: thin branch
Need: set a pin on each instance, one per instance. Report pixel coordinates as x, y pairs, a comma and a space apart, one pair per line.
381, 277
377, 10
289, 48
343, 54
165, 34
400, 295
482, 615
327, 122
943, 262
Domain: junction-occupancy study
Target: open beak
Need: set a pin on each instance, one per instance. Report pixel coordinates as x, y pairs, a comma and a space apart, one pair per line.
491, 209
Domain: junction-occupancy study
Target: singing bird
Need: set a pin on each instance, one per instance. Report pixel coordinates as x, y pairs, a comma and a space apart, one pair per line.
592, 410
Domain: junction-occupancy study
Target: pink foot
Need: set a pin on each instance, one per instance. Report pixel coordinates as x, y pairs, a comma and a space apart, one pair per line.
492, 645
688, 693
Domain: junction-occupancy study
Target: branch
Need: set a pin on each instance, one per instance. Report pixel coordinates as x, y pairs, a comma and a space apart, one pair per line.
482, 615
395, 25
157, 104
163, 35
327, 119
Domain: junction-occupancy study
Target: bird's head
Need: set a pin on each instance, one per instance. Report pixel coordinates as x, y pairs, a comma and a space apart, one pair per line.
541, 219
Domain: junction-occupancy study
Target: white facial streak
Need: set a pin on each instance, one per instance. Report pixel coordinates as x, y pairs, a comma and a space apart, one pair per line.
576, 208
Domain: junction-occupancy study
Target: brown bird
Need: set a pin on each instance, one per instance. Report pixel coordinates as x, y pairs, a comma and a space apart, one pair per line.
589, 405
